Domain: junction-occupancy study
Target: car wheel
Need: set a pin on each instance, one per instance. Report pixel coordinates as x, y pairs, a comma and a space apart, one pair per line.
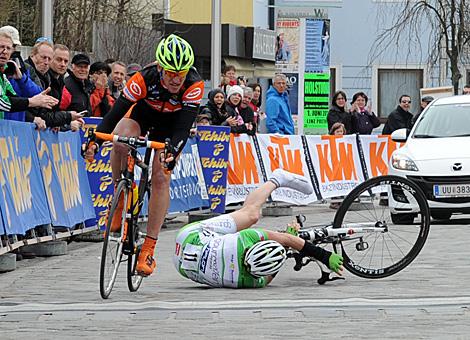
402, 218
441, 215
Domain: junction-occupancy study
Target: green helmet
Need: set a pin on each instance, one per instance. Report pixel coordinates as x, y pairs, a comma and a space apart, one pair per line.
174, 54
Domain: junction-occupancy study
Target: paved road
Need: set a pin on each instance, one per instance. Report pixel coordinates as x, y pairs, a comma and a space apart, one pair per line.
59, 298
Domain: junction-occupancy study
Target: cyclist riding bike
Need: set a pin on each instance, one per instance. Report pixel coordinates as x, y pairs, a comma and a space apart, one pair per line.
162, 99
225, 252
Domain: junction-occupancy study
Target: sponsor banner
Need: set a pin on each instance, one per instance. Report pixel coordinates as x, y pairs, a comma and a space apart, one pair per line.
336, 163
288, 153
213, 147
185, 190
2, 226
377, 151
244, 171
23, 203
65, 180
99, 176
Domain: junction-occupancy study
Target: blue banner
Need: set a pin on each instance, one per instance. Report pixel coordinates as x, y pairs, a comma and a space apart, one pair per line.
185, 191
100, 177
213, 149
24, 203
65, 179
2, 227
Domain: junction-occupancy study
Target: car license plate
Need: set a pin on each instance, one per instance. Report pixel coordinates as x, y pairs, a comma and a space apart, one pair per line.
451, 190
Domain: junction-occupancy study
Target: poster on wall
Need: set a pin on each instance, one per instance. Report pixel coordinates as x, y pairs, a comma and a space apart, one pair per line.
316, 102
293, 90
317, 46
287, 45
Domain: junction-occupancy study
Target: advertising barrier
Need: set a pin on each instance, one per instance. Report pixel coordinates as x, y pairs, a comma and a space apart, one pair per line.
213, 148
334, 164
63, 172
42, 178
23, 202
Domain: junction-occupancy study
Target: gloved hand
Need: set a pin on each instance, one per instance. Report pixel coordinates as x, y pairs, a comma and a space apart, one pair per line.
335, 263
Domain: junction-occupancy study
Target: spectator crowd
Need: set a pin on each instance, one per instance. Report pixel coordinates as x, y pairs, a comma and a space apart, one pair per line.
53, 89
56, 90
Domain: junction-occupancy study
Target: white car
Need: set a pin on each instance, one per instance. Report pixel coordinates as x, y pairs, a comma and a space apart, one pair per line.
436, 156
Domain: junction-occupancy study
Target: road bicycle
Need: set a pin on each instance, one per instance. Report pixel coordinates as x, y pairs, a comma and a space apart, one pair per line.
366, 231
128, 239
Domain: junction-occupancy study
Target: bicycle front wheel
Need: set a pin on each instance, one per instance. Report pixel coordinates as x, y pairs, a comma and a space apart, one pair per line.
134, 280
113, 241
398, 211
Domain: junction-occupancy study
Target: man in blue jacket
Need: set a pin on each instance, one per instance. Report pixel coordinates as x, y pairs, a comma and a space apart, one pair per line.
278, 112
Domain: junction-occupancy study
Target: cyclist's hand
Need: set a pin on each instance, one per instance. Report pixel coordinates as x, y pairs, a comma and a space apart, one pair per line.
335, 262
89, 150
167, 157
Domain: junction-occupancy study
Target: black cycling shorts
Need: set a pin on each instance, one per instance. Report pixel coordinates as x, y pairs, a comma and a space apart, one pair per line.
159, 125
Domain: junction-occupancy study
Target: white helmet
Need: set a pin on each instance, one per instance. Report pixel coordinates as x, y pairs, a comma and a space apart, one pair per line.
265, 258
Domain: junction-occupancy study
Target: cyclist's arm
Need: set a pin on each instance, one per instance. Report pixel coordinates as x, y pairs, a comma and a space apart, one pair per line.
134, 91
191, 101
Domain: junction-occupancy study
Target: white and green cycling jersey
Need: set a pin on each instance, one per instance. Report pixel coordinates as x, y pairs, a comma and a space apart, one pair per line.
212, 252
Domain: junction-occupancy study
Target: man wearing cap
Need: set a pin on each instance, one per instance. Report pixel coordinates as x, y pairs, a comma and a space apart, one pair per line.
77, 90
424, 102
100, 98
132, 69
19, 74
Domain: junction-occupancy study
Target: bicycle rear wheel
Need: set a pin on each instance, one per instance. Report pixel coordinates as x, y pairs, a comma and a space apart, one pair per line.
400, 208
113, 242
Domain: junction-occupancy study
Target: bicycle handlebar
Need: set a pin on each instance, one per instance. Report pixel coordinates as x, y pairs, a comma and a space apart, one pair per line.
131, 141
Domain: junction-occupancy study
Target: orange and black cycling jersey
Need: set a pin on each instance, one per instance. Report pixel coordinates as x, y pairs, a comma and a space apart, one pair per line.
145, 98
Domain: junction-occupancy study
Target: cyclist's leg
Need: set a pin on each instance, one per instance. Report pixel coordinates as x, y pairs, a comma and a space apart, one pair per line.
250, 212
125, 127
159, 198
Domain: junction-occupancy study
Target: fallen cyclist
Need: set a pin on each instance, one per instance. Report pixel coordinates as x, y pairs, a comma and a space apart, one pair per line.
224, 251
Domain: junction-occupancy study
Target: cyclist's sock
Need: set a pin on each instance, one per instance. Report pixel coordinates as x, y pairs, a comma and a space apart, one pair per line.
318, 253
282, 178
149, 243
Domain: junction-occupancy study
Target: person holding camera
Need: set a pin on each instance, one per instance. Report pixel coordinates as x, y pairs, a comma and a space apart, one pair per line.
19, 74
9, 101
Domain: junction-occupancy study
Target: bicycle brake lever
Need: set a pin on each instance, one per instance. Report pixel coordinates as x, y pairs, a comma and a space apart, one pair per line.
325, 276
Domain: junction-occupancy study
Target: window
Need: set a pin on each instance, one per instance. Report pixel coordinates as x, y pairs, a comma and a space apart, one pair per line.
392, 83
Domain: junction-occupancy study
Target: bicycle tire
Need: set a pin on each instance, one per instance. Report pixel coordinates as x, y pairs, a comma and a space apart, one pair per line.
133, 279
111, 254
399, 244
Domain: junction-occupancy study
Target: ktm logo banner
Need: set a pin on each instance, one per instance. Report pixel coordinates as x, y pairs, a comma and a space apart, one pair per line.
334, 164
288, 153
377, 152
244, 172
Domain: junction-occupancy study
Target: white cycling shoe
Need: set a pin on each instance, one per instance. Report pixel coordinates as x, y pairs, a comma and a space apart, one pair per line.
282, 178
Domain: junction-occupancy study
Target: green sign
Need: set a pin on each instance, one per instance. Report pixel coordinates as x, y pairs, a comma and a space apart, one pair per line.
316, 102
